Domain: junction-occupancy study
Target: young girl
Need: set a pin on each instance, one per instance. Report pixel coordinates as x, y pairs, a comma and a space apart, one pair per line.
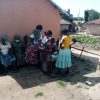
64, 56
6, 56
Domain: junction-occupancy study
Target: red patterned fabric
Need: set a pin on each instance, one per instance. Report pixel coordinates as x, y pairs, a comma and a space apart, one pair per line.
46, 56
32, 54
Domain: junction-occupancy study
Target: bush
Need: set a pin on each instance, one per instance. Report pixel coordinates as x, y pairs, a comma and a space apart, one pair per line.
91, 40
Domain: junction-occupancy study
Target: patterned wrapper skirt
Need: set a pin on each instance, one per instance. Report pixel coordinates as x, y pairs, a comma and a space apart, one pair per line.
32, 55
64, 59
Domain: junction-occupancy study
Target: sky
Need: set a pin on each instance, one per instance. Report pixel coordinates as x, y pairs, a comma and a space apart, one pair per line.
77, 7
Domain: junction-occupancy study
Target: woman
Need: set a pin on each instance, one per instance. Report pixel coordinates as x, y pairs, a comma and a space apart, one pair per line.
46, 55
32, 53
64, 56
36, 34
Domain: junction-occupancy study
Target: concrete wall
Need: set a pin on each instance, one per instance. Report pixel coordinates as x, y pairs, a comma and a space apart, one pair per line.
93, 29
23, 15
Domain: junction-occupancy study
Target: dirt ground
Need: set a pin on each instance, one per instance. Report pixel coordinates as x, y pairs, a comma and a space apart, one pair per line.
83, 83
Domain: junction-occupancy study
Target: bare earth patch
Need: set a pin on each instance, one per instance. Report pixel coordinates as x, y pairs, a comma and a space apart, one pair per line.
31, 84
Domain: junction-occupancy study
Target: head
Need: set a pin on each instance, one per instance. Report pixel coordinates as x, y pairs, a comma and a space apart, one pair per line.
26, 38
45, 33
64, 32
39, 27
3, 41
17, 38
4, 38
49, 34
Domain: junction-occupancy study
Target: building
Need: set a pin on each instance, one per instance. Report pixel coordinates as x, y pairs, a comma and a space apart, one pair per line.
23, 15
64, 24
93, 27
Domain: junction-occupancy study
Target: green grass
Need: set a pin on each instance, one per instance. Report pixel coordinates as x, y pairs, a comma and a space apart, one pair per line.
39, 94
61, 83
78, 86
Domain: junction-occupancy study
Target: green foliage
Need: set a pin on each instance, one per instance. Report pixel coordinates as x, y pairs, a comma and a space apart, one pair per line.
62, 84
86, 16
67, 16
90, 15
78, 18
91, 41
87, 39
39, 94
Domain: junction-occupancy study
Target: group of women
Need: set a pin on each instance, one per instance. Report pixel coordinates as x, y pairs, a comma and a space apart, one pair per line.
37, 49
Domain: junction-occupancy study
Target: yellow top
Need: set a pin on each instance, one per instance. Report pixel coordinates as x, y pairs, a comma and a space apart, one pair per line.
66, 41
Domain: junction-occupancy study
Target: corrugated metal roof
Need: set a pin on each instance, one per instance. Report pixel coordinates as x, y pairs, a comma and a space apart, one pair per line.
62, 21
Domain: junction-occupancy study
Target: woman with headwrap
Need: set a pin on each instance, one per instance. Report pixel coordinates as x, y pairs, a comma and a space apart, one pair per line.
32, 53
36, 34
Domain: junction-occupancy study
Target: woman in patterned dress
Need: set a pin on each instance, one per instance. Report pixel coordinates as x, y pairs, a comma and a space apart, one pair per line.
32, 53
46, 55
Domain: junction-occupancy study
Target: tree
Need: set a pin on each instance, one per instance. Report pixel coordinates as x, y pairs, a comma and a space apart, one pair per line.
68, 11
90, 15
78, 18
86, 15
67, 16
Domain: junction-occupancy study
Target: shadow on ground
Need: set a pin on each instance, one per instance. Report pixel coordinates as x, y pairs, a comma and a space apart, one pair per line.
31, 76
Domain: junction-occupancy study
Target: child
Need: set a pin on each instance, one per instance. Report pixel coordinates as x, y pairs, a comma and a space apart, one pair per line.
25, 45
64, 56
17, 50
6, 56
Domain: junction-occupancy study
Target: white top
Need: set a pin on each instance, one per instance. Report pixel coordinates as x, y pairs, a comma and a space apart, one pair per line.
44, 40
32, 36
5, 48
